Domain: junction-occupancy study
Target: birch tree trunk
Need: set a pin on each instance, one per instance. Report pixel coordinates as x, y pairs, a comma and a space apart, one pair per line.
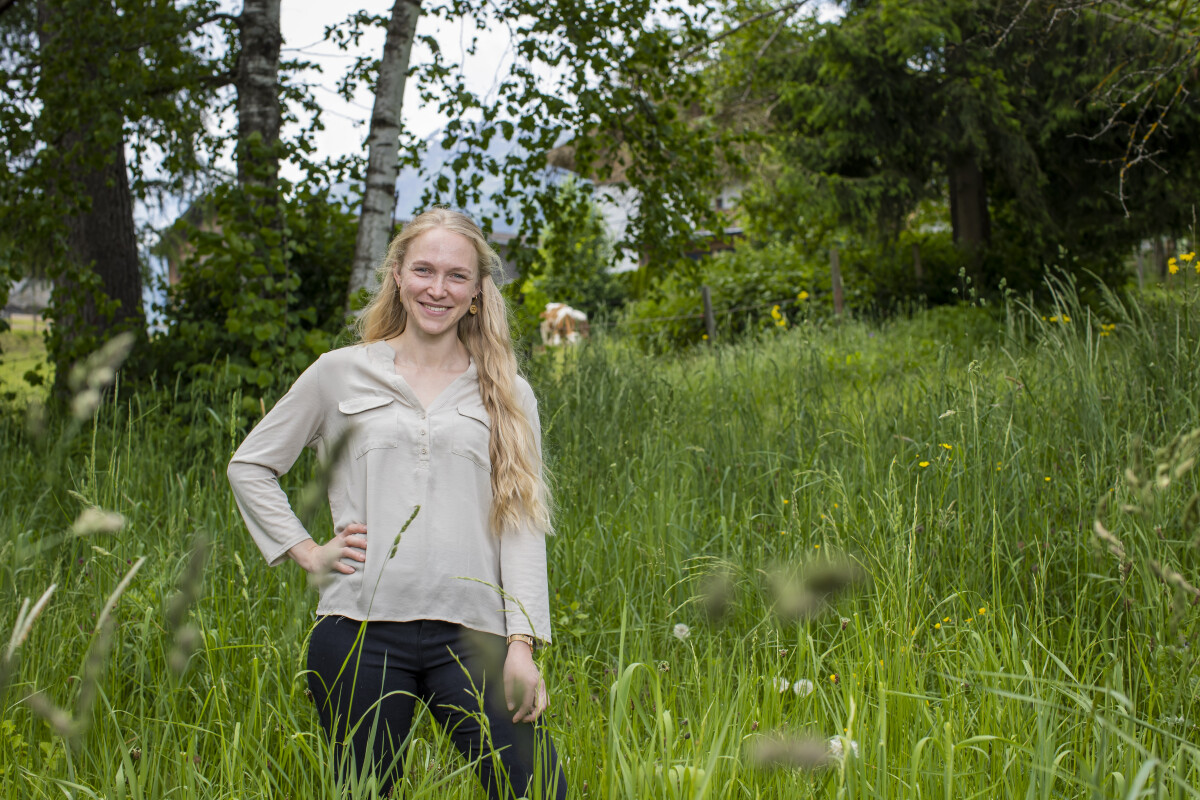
257, 81
379, 191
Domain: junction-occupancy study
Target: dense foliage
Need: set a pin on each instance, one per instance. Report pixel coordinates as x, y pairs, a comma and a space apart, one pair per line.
1002, 111
260, 314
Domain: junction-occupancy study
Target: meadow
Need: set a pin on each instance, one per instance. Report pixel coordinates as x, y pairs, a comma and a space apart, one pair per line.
956, 548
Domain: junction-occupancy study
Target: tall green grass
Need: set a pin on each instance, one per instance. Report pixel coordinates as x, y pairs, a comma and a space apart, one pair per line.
959, 458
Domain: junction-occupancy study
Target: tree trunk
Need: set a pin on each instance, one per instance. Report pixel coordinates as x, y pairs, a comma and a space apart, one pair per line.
257, 82
102, 234
1160, 257
968, 202
971, 225
379, 191
97, 280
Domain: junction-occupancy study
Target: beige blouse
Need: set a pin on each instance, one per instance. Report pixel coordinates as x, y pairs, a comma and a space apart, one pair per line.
403, 461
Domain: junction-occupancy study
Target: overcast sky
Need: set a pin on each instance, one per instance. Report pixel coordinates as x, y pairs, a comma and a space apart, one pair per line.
304, 23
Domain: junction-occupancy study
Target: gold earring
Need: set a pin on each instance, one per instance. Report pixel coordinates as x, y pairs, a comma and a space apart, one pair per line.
474, 309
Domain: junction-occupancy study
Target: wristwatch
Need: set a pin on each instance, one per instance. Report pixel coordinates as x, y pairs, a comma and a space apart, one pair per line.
522, 637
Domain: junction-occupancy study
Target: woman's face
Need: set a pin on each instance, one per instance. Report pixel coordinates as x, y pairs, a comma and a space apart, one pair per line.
437, 281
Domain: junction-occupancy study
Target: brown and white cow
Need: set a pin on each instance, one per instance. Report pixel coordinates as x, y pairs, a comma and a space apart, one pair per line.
562, 324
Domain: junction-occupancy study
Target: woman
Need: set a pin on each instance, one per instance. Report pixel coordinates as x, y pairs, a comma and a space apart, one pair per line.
434, 585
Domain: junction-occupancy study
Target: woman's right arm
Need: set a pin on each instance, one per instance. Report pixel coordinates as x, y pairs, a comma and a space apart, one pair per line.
296, 421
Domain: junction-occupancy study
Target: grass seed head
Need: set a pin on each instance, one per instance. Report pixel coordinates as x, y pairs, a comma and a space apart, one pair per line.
789, 752
716, 597
97, 520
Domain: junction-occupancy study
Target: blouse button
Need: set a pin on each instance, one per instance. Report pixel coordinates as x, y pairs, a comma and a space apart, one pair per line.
424, 451
422, 431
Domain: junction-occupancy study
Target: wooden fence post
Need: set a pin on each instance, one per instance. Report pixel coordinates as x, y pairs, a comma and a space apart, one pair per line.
710, 321
835, 269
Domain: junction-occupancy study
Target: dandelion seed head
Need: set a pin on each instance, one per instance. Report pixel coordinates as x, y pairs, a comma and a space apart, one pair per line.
681, 631
838, 747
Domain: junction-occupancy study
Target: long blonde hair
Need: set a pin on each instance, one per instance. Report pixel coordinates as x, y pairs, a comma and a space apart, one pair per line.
519, 492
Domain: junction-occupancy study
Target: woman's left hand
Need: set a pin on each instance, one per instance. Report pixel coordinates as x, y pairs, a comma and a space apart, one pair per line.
524, 689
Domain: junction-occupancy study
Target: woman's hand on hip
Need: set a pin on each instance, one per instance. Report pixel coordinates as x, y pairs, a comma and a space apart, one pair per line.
524, 689
318, 559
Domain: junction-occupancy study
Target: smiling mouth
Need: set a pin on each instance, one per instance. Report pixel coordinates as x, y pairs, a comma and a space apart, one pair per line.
434, 309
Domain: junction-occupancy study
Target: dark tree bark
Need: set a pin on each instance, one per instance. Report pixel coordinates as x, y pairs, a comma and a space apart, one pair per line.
379, 192
970, 222
102, 234
968, 202
97, 280
257, 80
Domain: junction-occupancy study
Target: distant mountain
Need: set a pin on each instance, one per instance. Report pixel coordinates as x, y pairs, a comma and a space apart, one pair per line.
412, 182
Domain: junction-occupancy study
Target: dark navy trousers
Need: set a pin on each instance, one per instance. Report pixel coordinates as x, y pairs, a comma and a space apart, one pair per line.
366, 678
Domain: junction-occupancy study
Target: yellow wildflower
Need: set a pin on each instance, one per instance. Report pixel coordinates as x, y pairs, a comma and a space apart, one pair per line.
1172, 265
802, 296
923, 464
704, 336
982, 611
775, 312
1187, 256
1047, 479
937, 625
945, 446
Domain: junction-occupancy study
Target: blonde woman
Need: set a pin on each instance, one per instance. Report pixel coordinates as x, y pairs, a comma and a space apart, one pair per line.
434, 584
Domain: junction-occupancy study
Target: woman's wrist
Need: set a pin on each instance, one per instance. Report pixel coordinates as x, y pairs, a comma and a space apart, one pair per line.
521, 639
302, 554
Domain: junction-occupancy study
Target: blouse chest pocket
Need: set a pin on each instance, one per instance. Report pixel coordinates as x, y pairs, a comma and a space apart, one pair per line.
472, 434
372, 421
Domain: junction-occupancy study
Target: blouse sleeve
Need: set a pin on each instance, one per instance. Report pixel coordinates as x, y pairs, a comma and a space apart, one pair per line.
269, 452
523, 561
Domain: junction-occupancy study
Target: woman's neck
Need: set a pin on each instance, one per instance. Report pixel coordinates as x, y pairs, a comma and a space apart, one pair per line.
435, 353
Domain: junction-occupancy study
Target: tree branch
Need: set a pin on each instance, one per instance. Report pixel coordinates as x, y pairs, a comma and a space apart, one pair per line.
786, 9
234, 18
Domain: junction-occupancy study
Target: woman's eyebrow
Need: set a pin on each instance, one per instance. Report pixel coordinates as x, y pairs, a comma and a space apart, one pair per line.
424, 263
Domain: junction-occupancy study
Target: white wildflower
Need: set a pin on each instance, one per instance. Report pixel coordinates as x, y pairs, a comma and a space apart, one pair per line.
803, 687
681, 631
781, 685
838, 750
